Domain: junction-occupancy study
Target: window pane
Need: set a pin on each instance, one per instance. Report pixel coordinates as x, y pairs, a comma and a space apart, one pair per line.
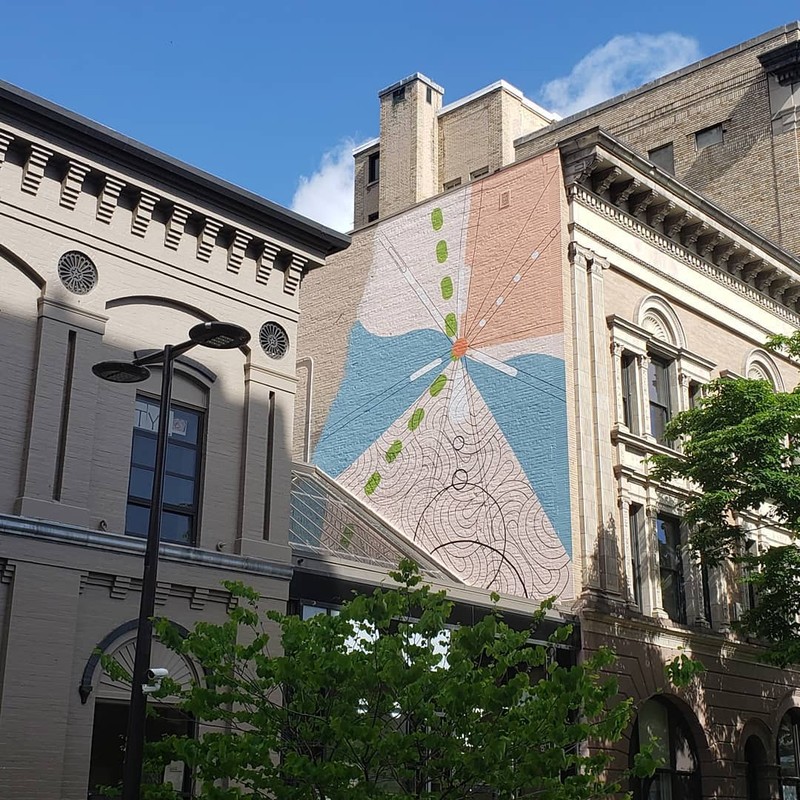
176, 528
658, 373
671, 568
146, 416
183, 426
653, 724
141, 483
634, 517
178, 491
787, 758
659, 417
663, 157
672, 595
137, 520
181, 460
708, 136
629, 392
144, 450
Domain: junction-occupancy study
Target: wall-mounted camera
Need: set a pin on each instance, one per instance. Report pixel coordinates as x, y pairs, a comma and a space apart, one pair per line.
154, 677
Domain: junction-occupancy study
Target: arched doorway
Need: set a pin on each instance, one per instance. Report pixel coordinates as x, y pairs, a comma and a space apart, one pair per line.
756, 760
659, 721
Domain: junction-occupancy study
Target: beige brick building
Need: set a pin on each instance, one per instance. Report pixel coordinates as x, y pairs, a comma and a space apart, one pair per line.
109, 249
496, 355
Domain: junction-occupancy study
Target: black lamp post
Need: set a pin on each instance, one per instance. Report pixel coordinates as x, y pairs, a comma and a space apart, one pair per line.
216, 335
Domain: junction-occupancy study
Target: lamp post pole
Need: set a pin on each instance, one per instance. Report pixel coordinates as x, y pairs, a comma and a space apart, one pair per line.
137, 711
217, 336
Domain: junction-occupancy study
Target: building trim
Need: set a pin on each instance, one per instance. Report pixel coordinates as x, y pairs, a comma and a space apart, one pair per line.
416, 76
128, 545
368, 145
550, 116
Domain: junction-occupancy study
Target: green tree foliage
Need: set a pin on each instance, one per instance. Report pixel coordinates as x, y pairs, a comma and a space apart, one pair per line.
369, 704
741, 451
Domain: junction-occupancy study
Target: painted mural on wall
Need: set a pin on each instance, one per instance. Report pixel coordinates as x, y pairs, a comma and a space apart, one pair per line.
450, 420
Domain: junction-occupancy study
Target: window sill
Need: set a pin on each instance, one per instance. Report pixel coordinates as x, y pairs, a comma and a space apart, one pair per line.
621, 435
370, 184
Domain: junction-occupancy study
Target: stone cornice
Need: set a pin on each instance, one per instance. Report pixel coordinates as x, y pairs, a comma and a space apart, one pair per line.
239, 244
679, 221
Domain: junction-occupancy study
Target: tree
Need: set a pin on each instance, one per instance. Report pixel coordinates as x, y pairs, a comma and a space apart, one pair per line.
741, 452
384, 700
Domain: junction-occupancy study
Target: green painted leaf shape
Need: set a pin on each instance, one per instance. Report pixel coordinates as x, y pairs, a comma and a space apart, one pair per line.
372, 484
441, 251
447, 287
451, 324
437, 219
416, 419
438, 385
394, 450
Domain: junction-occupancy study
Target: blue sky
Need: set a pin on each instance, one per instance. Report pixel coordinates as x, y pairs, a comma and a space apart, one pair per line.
272, 96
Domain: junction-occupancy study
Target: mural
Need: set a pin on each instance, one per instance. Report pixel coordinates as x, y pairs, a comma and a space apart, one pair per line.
450, 420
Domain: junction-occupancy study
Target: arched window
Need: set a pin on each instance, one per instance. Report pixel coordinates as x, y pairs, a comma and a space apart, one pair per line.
789, 755
660, 723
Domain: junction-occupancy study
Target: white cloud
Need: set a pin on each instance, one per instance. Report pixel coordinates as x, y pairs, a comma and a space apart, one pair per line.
327, 195
620, 64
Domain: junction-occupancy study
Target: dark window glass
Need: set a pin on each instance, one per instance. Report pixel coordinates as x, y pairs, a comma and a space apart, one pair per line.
629, 416
695, 393
374, 167
659, 396
663, 157
181, 480
789, 755
708, 136
635, 513
398, 95
706, 580
428, 94
372, 217
678, 777
751, 549
670, 560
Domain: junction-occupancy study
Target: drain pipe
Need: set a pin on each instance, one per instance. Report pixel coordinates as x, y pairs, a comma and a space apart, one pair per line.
308, 363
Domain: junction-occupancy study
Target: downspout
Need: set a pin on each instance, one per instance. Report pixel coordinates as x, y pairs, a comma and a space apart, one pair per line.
308, 363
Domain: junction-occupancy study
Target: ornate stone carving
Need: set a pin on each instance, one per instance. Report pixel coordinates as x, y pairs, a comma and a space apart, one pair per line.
691, 233
33, 171
601, 181
72, 183
107, 201
294, 273
143, 213
621, 194
657, 214
175, 226
638, 202
236, 250
207, 239
673, 227
266, 262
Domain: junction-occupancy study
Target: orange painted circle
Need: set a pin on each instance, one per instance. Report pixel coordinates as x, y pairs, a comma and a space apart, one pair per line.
460, 347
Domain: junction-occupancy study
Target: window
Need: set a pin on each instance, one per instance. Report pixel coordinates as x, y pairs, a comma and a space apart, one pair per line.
635, 514
750, 551
658, 374
398, 95
663, 157
670, 563
478, 173
696, 390
372, 217
679, 776
705, 580
629, 415
789, 755
374, 168
452, 184
182, 476
708, 136
428, 95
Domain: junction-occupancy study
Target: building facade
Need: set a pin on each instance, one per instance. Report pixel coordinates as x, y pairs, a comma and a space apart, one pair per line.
107, 250
493, 363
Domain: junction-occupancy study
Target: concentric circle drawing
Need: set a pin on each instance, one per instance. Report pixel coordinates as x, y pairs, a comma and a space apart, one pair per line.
77, 272
273, 340
450, 419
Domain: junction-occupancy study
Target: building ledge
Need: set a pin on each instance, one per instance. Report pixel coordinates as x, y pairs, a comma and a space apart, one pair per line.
783, 63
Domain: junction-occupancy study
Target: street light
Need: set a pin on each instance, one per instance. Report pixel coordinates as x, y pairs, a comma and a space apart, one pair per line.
218, 336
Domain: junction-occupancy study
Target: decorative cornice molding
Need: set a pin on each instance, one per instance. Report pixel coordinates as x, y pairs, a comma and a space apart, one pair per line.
72, 183
107, 200
143, 213
294, 273
175, 226
266, 262
33, 171
5, 140
207, 239
237, 249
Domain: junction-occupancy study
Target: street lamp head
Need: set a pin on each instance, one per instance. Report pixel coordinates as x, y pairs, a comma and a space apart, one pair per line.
219, 335
121, 372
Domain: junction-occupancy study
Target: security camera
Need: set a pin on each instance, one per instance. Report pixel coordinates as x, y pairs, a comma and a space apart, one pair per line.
157, 674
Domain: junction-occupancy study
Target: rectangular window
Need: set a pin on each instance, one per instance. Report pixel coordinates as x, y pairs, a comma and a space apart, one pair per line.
478, 173
663, 157
705, 578
635, 515
372, 217
629, 415
708, 136
374, 168
428, 95
398, 95
670, 562
695, 393
658, 374
750, 550
453, 184
182, 476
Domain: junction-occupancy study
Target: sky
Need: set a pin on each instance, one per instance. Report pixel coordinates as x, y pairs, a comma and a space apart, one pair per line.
274, 96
